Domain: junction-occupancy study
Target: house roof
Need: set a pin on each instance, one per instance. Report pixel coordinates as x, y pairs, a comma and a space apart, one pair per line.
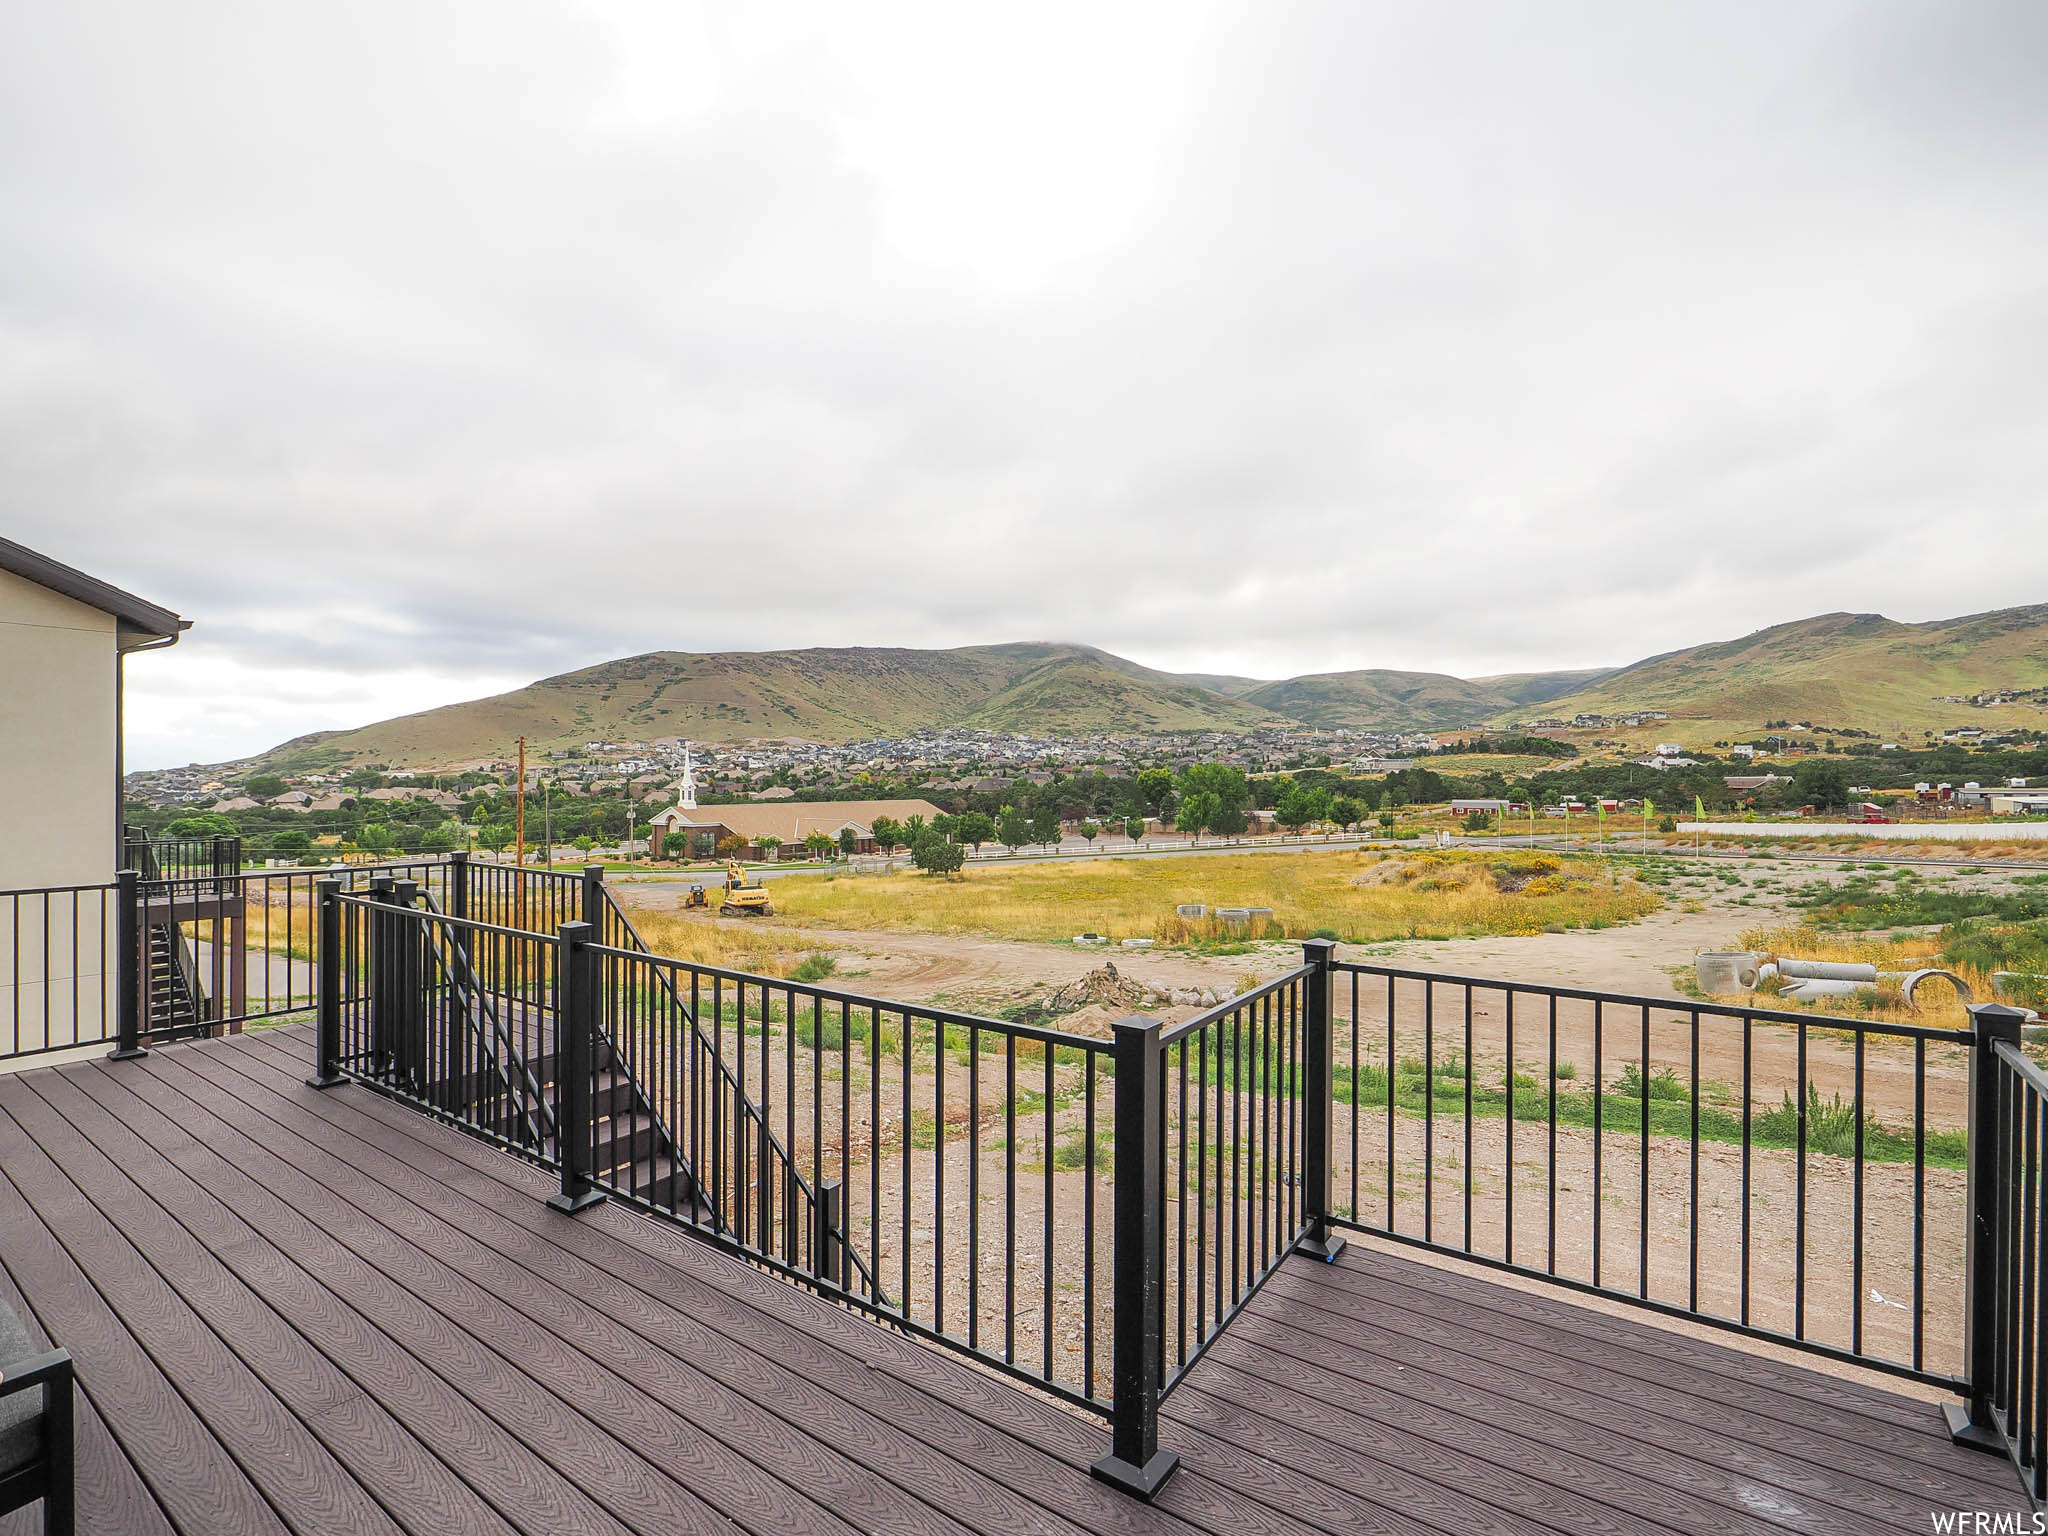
136, 616
794, 820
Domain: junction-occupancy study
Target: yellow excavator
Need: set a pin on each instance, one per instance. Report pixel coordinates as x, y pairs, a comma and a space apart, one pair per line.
748, 899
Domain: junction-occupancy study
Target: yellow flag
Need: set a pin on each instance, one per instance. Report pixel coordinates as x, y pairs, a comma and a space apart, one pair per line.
1649, 808
1700, 809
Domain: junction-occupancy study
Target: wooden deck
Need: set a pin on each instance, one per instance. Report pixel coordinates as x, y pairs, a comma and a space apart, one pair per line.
324, 1313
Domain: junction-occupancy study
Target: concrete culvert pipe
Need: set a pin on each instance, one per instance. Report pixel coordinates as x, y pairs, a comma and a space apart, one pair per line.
1826, 970
1807, 988
1721, 971
1914, 978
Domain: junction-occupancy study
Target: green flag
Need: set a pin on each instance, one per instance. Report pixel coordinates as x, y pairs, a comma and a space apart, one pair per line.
1699, 807
1649, 808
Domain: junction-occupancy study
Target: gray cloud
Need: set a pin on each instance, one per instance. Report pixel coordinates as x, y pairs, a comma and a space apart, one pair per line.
414, 350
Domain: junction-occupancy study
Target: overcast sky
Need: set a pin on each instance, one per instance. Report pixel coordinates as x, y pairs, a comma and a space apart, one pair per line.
417, 350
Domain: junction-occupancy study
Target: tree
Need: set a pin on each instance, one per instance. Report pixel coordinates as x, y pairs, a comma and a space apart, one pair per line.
973, 828
1199, 812
374, 838
1295, 809
888, 835
585, 843
847, 841
291, 841
731, 847
936, 855
264, 786
206, 824
913, 830
819, 845
1134, 828
1090, 831
1013, 827
1045, 825
1387, 819
1346, 812
1229, 792
1821, 784
768, 845
1155, 786
495, 836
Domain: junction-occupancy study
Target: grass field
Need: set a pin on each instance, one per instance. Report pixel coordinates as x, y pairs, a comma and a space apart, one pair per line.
1353, 896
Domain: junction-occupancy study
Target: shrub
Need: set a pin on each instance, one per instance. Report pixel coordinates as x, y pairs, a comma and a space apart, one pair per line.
813, 967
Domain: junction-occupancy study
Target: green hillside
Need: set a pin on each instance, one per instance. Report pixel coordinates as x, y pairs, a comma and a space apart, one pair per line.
817, 695
1842, 669
1379, 700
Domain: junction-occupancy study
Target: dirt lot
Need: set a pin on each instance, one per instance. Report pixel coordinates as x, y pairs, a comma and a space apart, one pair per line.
1556, 1203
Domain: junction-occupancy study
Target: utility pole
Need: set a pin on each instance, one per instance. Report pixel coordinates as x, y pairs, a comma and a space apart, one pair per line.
519, 842
547, 822
519, 809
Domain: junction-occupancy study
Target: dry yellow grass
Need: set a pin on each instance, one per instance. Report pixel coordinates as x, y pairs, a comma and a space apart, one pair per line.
1359, 897
734, 946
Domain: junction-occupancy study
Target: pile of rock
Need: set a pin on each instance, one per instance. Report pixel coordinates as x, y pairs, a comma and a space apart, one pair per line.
1108, 987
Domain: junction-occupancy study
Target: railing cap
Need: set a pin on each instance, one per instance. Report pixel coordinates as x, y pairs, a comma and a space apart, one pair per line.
1997, 1021
1318, 951
1137, 1025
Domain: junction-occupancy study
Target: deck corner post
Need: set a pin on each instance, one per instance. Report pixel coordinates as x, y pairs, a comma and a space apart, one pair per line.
1135, 1463
575, 1036
458, 883
593, 899
327, 984
1974, 1423
1318, 1103
132, 965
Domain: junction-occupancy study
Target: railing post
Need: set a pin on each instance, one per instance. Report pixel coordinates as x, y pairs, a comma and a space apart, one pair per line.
408, 939
593, 899
1973, 1424
383, 983
327, 983
1318, 1103
575, 1032
458, 883
131, 966
828, 1249
1135, 1462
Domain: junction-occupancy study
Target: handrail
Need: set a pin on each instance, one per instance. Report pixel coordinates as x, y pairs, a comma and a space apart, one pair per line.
1641, 1000
752, 1112
472, 995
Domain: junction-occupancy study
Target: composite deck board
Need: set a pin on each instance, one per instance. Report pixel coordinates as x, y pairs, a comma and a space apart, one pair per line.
1710, 1369
788, 1367
1260, 1367
471, 1477
126, 1500
219, 1274
299, 1311
1584, 1349
1001, 1422
666, 1402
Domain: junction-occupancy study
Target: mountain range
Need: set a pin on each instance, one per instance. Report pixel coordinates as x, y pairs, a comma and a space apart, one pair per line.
1840, 669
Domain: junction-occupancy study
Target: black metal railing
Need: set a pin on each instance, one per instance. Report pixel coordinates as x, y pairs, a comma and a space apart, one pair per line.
242, 944
1785, 1175
1233, 1081
61, 970
2006, 1276
1089, 1216
957, 1166
459, 1017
